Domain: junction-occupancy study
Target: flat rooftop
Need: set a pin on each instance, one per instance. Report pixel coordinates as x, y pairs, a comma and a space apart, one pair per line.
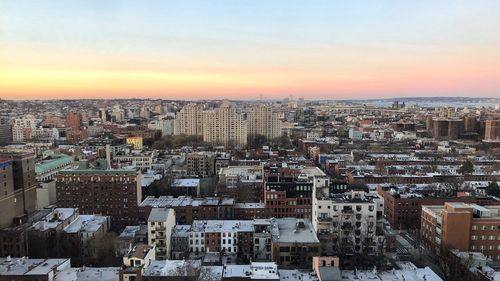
286, 230
86, 223
30, 267
88, 274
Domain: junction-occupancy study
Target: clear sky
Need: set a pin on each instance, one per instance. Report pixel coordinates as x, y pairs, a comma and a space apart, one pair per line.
241, 49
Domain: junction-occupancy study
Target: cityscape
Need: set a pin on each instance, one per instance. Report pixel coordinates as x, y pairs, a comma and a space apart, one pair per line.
249, 140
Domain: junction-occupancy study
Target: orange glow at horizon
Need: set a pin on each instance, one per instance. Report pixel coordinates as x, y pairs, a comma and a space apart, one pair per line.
43, 74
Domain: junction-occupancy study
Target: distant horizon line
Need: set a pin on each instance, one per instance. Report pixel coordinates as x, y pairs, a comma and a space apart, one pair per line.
272, 99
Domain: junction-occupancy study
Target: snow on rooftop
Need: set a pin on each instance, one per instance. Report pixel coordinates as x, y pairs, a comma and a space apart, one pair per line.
55, 218
86, 223
186, 183
88, 274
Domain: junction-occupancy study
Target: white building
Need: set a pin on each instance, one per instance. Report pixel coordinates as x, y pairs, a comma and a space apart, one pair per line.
165, 125
22, 128
352, 222
161, 221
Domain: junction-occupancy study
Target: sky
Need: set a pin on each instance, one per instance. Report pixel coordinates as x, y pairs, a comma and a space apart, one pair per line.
209, 49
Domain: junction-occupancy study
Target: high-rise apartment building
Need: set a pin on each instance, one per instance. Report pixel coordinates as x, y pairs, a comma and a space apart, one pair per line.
447, 129
17, 185
189, 121
73, 120
492, 130
225, 126
263, 121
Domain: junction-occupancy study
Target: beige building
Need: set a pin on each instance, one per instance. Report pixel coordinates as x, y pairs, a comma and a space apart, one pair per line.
492, 130
161, 221
189, 121
225, 126
263, 121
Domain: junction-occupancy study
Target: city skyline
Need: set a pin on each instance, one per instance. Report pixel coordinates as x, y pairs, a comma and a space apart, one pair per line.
241, 50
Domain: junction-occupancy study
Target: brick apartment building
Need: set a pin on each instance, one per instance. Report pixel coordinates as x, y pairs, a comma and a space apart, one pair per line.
288, 192
404, 211
188, 209
462, 226
100, 190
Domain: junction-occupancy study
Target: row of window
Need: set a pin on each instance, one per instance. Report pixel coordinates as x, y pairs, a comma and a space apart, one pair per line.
485, 237
485, 227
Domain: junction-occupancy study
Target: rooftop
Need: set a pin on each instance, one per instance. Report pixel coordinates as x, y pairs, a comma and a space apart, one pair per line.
293, 230
139, 251
86, 223
88, 274
181, 230
186, 183
159, 214
132, 230
172, 268
30, 267
54, 219
229, 226
55, 161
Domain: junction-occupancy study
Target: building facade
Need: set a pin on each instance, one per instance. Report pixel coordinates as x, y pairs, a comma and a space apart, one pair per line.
17, 185
462, 226
189, 120
161, 222
224, 126
99, 190
263, 121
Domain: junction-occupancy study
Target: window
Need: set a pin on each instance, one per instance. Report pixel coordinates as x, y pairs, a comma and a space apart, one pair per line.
474, 237
474, 227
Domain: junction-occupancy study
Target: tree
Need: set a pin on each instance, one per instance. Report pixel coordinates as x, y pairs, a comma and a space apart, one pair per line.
101, 250
453, 267
256, 141
493, 189
283, 141
177, 141
467, 167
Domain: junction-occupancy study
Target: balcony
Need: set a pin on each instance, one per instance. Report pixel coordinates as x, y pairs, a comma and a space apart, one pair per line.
347, 211
324, 219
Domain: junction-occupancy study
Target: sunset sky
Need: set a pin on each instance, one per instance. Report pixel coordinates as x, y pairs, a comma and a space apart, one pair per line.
241, 49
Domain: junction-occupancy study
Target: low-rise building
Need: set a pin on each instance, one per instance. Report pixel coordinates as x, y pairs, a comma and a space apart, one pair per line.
135, 261
294, 242
161, 221
31, 269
